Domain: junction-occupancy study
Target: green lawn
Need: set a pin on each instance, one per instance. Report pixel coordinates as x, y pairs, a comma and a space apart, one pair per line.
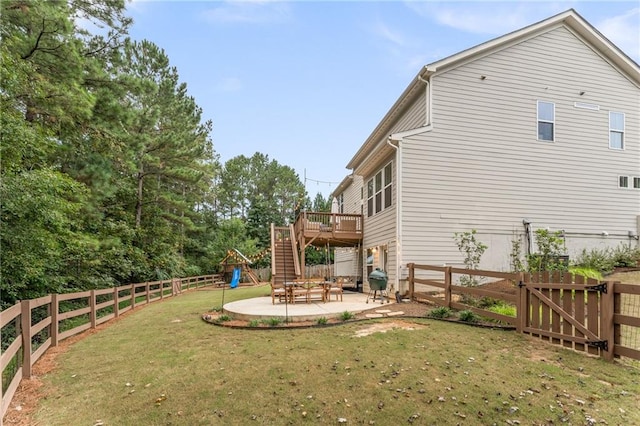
163, 365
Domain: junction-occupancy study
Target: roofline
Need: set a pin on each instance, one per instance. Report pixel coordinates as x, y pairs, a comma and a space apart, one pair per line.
570, 18
342, 186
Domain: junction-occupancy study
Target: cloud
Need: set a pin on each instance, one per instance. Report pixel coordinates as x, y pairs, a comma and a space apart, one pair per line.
251, 12
495, 18
383, 31
623, 31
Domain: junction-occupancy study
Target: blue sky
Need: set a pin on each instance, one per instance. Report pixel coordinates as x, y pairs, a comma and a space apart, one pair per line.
307, 82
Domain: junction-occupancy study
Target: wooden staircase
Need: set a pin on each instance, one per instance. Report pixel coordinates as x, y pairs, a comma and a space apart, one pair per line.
285, 265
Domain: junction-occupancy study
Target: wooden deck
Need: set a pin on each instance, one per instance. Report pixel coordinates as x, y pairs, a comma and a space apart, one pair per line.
335, 229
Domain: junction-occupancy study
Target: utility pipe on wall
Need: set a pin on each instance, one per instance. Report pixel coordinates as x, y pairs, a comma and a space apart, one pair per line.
398, 210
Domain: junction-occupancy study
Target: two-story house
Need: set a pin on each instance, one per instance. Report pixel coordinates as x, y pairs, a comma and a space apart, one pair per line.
539, 128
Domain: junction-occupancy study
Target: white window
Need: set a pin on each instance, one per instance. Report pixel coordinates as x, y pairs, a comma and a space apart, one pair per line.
379, 191
546, 121
623, 181
636, 182
387, 185
616, 130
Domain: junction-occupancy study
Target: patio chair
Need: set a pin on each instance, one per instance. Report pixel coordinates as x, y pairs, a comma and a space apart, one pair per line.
315, 290
298, 290
336, 288
279, 291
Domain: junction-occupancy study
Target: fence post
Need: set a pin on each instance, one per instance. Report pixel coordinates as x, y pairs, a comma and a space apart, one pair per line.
146, 288
447, 287
25, 319
412, 285
116, 302
521, 309
606, 320
55, 327
133, 296
92, 305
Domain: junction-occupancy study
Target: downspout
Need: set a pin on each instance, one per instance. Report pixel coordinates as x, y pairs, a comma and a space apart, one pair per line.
427, 99
398, 210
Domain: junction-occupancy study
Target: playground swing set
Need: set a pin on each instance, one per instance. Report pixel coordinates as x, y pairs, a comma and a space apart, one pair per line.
234, 264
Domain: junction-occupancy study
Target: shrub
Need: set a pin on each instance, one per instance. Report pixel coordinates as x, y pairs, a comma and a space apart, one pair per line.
472, 249
467, 316
346, 315
273, 322
625, 256
440, 312
322, 321
223, 318
503, 309
597, 259
586, 272
254, 323
551, 249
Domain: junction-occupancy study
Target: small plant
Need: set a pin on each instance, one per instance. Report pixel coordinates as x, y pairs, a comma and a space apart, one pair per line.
551, 249
346, 315
472, 249
216, 309
254, 323
586, 272
223, 318
440, 312
467, 316
322, 321
273, 322
516, 254
503, 309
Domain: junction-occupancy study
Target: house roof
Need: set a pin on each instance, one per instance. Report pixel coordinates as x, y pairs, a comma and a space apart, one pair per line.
569, 19
342, 186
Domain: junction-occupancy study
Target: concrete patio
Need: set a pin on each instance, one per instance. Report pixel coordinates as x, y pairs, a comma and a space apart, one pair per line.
262, 308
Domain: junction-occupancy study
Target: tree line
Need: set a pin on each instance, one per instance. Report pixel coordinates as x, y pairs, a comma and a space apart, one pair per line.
108, 171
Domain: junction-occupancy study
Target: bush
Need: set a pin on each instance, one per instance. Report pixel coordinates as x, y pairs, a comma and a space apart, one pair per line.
322, 321
223, 318
468, 316
346, 315
254, 323
273, 322
503, 309
586, 272
625, 256
597, 259
440, 312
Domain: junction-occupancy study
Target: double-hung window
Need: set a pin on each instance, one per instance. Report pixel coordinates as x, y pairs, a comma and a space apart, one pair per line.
546, 121
616, 130
379, 190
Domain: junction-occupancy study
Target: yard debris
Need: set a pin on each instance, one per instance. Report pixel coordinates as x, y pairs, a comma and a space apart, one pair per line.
413, 418
342, 420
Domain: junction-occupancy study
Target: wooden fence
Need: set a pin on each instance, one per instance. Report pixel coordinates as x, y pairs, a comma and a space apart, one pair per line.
30, 327
601, 318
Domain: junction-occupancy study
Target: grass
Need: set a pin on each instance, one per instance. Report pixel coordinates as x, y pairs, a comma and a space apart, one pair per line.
164, 365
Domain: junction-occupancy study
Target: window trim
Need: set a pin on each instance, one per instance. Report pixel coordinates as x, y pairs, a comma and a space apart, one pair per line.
635, 182
620, 131
623, 179
552, 121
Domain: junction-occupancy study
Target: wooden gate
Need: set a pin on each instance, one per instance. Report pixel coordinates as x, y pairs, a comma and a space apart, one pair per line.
577, 314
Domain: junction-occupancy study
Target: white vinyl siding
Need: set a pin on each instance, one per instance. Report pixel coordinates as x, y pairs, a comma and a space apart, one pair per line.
546, 121
469, 173
616, 130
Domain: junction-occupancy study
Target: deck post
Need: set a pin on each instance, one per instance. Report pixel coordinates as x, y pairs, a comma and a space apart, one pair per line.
447, 287
412, 285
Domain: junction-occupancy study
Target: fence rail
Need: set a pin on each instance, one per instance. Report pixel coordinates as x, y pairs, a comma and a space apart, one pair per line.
601, 318
30, 327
